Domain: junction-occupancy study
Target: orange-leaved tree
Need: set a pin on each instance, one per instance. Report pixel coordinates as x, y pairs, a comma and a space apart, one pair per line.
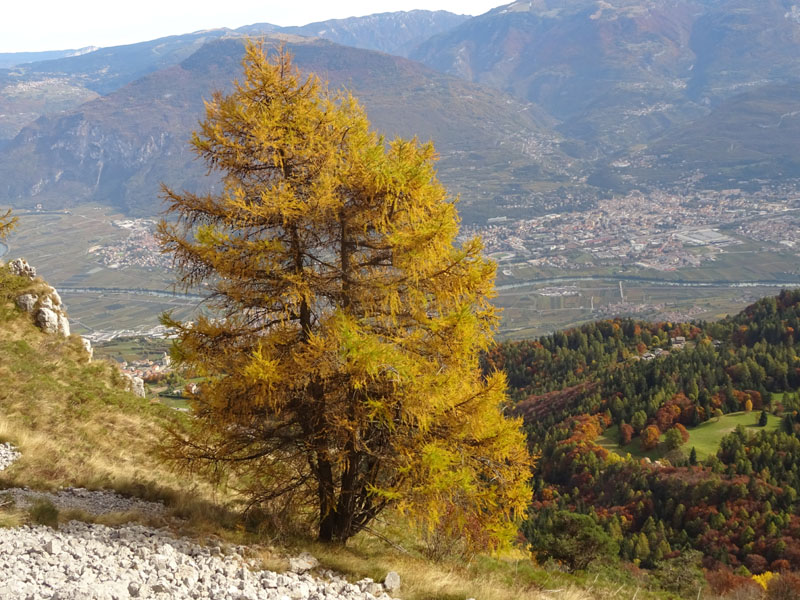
341, 353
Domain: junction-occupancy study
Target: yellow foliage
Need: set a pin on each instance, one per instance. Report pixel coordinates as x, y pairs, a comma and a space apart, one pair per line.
343, 350
764, 579
7, 223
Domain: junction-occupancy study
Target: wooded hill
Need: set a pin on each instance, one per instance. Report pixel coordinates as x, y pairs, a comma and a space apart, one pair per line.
601, 401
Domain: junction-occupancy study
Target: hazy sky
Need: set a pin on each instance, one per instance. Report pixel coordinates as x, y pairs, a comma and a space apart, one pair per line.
32, 25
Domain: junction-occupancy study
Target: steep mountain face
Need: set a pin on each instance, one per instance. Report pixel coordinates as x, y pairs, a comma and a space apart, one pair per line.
621, 72
116, 149
394, 32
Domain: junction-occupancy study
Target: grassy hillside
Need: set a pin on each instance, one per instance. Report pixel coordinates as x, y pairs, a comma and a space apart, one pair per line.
72, 419
75, 425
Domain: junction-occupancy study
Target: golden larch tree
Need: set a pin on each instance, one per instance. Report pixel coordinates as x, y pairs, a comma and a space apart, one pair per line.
7, 223
340, 354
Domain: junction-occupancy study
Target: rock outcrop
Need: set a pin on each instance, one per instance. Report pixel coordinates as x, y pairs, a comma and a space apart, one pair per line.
47, 310
87, 345
43, 304
27, 302
135, 385
21, 267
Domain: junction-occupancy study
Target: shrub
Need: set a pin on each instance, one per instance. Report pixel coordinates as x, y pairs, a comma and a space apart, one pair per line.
575, 539
785, 586
724, 582
43, 512
756, 563
681, 575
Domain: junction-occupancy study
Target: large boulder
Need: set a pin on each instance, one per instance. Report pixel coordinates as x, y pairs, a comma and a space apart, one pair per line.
392, 581
49, 317
302, 563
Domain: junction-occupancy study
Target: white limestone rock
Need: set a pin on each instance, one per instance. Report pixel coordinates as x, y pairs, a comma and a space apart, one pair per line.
8, 454
20, 267
302, 563
63, 324
392, 581
27, 302
136, 385
55, 296
47, 307
47, 320
87, 345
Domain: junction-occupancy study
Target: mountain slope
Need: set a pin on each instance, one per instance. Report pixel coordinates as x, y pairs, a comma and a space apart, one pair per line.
49, 87
752, 136
621, 72
116, 149
615, 408
44, 83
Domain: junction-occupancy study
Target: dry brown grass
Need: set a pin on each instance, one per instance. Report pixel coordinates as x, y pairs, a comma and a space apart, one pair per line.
74, 423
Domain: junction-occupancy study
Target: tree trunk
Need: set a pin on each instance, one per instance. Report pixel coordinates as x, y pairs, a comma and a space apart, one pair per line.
327, 501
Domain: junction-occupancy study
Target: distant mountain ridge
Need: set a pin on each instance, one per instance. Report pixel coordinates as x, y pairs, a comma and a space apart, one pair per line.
33, 84
575, 98
12, 59
117, 148
392, 32
623, 72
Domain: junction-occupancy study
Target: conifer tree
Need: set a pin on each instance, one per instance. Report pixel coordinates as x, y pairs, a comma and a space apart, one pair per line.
7, 223
340, 354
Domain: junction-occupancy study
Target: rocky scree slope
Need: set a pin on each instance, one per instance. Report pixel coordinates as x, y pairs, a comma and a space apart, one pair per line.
93, 561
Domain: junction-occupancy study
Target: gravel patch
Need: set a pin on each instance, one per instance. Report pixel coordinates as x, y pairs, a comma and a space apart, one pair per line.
94, 502
8, 454
82, 561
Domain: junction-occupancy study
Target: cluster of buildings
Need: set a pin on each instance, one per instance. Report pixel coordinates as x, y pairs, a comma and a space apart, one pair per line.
657, 230
139, 249
783, 230
148, 370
